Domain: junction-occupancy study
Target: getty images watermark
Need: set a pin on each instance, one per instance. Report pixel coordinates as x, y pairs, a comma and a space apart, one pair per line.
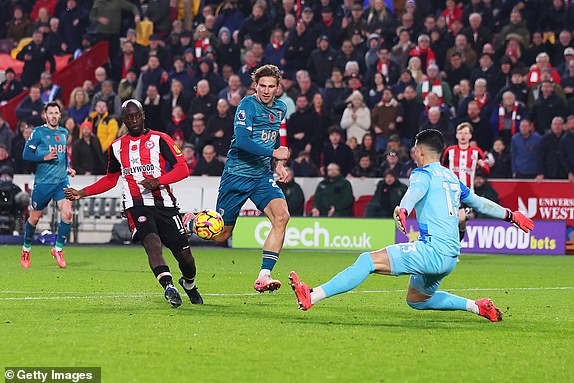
53, 374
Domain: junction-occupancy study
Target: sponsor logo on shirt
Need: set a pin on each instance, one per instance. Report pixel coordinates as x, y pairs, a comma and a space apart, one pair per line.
268, 135
58, 148
138, 169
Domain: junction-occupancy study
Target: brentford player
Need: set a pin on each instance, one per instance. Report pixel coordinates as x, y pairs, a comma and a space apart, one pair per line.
140, 159
464, 160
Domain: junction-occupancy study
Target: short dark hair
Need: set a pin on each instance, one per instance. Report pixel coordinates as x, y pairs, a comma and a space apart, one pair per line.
50, 104
432, 138
266, 71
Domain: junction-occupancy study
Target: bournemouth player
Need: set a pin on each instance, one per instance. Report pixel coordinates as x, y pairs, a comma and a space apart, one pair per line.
140, 158
248, 171
47, 146
464, 161
435, 193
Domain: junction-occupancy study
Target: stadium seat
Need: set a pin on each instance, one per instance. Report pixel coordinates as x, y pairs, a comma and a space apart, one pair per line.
360, 205
309, 205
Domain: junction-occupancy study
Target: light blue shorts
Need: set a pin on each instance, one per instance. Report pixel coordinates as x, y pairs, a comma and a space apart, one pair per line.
423, 262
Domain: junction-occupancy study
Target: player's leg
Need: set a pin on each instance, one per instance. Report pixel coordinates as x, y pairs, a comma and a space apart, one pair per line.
232, 194
65, 207
41, 196
172, 234
143, 225
423, 295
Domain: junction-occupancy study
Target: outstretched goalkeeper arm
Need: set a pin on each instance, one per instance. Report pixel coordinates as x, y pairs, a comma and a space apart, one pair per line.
492, 209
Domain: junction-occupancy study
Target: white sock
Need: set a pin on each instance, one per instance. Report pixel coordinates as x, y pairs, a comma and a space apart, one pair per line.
58, 248
24, 248
317, 294
264, 272
187, 285
472, 307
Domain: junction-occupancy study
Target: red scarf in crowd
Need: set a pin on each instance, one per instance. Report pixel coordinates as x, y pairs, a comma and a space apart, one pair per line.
383, 68
502, 113
481, 101
436, 88
419, 52
128, 66
200, 47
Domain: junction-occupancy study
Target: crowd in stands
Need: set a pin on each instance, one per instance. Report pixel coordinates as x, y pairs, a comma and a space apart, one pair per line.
360, 79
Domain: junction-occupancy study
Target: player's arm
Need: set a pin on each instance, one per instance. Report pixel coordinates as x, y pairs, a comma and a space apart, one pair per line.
102, 185
243, 125
482, 163
279, 165
29, 152
419, 184
171, 153
492, 209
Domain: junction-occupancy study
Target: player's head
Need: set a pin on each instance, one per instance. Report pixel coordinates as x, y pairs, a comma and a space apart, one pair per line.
133, 116
52, 114
464, 133
266, 79
429, 145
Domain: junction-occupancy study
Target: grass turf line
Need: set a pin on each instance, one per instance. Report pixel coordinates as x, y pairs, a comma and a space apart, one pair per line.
241, 337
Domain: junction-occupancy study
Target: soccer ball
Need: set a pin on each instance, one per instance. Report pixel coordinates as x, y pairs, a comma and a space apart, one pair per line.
208, 224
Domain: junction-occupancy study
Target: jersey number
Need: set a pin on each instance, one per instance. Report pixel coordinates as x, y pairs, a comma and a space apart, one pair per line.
451, 200
273, 183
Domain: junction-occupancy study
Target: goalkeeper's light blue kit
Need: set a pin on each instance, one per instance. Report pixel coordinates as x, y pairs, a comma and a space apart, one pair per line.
435, 193
248, 172
51, 176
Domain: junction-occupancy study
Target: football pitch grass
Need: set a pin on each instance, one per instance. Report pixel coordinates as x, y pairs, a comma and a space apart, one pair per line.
106, 310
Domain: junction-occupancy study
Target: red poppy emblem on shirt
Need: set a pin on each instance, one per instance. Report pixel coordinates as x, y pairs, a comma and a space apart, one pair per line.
134, 147
57, 138
271, 118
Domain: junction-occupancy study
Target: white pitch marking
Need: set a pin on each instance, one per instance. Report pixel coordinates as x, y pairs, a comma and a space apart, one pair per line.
149, 294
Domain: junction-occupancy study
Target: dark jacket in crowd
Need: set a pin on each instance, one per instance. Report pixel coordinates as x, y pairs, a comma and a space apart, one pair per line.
335, 192
36, 64
385, 199
204, 168
549, 157
488, 192
294, 196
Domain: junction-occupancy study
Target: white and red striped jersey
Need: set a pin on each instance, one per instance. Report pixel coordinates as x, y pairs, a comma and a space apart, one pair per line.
464, 163
145, 156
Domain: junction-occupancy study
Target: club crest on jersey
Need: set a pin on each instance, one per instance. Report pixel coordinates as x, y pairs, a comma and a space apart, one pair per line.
142, 219
149, 144
241, 115
271, 117
134, 147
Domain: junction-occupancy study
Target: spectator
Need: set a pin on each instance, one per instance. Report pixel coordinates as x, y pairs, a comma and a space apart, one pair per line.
189, 156
408, 119
303, 165
20, 26
336, 151
437, 120
364, 168
227, 51
48, 90
73, 129
476, 33
384, 119
105, 127
388, 68
175, 97
106, 18
220, 128
125, 61
5, 159
489, 72
257, 25
128, 85
482, 132
53, 39
179, 73
183, 45
30, 109
524, 148
6, 134
206, 72
334, 195
298, 47
302, 129
275, 49
517, 86
108, 95
79, 106
178, 123
482, 98
293, 194
87, 155
535, 74
321, 61
566, 145
387, 196
10, 87
233, 87
517, 26
403, 48
500, 160
279, 95
410, 165
153, 75
550, 163
203, 106
24, 131
391, 161
376, 91
536, 90
73, 23
546, 107
348, 54
35, 56
152, 107
158, 13
197, 137
434, 84
356, 118
330, 27
506, 118
305, 86
334, 94
101, 75
483, 189
208, 164
424, 52
457, 70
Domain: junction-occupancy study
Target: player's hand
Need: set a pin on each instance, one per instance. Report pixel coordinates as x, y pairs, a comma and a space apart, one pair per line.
400, 216
281, 153
518, 219
481, 163
315, 212
73, 194
71, 172
281, 173
187, 218
150, 183
51, 156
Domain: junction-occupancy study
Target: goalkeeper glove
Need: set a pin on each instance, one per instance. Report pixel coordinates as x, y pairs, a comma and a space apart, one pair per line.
519, 220
400, 216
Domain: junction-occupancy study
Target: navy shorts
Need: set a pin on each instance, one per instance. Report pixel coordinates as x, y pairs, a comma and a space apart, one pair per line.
44, 193
235, 190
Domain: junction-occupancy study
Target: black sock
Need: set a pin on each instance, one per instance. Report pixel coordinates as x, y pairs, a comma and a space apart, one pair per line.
163, 275
461, 234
